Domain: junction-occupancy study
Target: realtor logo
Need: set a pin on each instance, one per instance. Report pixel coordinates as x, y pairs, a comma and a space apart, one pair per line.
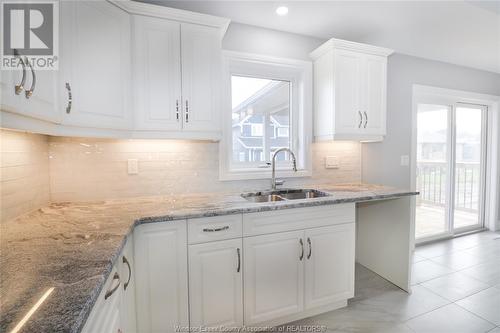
30, 31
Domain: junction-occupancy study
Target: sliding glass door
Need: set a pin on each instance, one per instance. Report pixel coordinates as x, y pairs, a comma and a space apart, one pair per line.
450, 169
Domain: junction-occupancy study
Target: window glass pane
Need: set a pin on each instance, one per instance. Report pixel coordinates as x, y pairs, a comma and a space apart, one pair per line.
260, 119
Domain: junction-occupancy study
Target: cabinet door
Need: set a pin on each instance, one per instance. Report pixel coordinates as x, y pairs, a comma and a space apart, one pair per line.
95, 62
157, 74
160, 257
127, 267
274, 276
105, 315
201, 72
43, 102
215, 284
329, 264
374, 94
347, 76
8, 81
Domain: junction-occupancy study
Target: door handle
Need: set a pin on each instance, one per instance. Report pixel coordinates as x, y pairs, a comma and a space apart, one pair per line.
302, 247
20, 87
239, 260
112, 291
187, 111
125, 261
310, 248
70, 98
29, 92
366, 118
177, 109
360, 119
226, 227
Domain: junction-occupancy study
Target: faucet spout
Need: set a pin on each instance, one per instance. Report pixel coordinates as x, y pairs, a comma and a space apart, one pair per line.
273, 161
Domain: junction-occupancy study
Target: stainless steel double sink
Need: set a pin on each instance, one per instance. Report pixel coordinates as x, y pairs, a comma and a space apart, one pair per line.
282, 195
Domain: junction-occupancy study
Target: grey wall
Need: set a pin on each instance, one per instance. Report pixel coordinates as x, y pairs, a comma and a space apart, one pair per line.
381, 161
247, 38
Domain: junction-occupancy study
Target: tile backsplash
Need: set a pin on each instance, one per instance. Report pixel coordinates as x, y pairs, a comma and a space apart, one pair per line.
96, 169
38, 169
24, 173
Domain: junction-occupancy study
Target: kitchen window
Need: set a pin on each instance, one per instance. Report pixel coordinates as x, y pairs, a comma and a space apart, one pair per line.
267, 106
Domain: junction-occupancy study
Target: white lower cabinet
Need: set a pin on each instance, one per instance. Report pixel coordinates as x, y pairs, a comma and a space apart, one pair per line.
114, 310
160, 256
329, 265
128, 321
216, 284
274, 276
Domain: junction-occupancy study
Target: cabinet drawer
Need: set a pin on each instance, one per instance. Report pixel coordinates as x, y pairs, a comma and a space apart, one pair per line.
297, 218
207, 229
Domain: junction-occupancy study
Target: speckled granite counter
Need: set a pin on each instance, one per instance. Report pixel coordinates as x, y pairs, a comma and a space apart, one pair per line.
72, 247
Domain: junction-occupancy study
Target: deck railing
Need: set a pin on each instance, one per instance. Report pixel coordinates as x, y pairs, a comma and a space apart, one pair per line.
431, 183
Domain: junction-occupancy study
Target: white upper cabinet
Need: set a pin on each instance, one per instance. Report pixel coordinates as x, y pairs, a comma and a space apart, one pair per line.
157, 74
95, 66
201, 77
350, 88
33, 97
177, 77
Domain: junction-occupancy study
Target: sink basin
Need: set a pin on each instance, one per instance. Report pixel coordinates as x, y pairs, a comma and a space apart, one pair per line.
285, 194
261, 197
303, 194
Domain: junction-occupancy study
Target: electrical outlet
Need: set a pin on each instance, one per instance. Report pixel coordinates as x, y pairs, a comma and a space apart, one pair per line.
331, 162
133, 166
405, 160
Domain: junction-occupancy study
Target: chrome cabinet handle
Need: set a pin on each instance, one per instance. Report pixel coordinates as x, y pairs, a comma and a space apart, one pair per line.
70, 98
366, 119
111, 292
20, 87
239, 260
177, 109
125, 261
216, 229
310, 248
302, 247
187, 111
29, 92
360, 119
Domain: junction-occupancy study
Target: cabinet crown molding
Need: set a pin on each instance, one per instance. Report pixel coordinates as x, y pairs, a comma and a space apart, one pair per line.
146, 9
334, 43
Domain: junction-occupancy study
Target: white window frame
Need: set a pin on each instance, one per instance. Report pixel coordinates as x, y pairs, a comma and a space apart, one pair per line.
299, 74
429, 94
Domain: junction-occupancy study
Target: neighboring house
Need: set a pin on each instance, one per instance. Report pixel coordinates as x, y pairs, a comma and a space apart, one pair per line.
261, 124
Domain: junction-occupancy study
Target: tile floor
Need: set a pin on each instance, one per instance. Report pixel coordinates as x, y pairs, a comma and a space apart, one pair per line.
456, 288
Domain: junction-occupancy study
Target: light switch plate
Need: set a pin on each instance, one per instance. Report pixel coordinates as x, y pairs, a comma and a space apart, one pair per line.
331, 162
133, 166
405, 160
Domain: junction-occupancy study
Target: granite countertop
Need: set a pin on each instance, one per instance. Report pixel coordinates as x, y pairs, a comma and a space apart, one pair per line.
72, 247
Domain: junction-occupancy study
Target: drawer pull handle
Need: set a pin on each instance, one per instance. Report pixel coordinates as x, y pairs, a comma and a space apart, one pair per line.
310, 248
29, 93
239, 260
302, 247
216, 229
112, 291
366, 119
125, 261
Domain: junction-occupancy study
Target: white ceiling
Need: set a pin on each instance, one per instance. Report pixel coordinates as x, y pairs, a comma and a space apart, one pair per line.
460, 32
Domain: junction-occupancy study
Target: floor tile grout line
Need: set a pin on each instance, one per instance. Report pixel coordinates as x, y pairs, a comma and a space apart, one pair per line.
475, 314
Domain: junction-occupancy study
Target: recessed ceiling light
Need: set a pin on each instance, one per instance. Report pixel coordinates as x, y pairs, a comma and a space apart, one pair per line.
282, 10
